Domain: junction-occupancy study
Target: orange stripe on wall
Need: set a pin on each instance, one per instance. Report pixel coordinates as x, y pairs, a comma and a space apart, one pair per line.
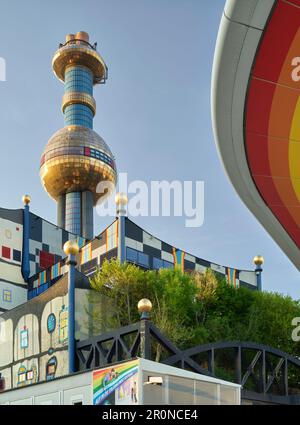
281, 119
282, 112
117, 231
273, 118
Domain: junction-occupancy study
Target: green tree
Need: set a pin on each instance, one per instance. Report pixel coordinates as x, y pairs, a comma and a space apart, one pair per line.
171, 292
270, 318
122, 285
206, 295
194, 308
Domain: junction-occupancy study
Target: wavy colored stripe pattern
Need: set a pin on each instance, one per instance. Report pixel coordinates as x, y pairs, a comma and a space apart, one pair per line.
103, 385
232, 277
178, 256
56, 271
272, 119
42, 278
86, 253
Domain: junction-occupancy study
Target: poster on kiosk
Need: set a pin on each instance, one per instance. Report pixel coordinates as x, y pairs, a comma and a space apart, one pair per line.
117, 385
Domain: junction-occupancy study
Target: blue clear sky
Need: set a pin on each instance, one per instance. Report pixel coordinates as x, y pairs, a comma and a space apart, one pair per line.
154, 112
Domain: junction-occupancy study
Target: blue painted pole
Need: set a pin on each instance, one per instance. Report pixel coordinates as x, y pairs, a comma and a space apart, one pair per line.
26, 235
258, 260
121, 201
145, 307
258, 272
71, 312
121, 242
71, 248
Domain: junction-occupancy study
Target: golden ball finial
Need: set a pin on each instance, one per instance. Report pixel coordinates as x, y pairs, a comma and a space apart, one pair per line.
70, 37
71, 248
26, 199
82, 35
121, 199
258, 260
144, 306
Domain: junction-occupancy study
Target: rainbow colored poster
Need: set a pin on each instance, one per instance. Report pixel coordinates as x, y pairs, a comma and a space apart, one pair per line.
116, 385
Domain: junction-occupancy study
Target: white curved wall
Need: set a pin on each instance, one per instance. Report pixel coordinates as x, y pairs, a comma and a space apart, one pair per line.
240, 32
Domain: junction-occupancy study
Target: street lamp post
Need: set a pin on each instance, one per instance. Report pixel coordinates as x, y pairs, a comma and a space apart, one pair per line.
145, 307
258, 261
71, 248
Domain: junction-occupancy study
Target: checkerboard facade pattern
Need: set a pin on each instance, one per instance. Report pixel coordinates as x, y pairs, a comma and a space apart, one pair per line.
90, 258
150, 252
47, 263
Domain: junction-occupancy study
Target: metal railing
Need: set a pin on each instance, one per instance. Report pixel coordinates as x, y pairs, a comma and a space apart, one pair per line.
266, 374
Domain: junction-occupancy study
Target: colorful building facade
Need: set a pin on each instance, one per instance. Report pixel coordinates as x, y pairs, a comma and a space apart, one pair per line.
35, 303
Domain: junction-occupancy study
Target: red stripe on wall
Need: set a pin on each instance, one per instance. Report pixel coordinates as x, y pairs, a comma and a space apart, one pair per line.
276, 42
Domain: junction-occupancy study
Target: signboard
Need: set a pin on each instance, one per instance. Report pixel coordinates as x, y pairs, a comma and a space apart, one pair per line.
116, 385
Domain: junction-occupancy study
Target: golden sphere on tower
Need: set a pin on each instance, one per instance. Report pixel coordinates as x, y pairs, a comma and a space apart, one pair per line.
144, 306
26, 199
77, 159
258, 260
121, 198
71, 248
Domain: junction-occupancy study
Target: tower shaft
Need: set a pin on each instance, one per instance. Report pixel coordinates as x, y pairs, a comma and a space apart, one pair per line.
78, 85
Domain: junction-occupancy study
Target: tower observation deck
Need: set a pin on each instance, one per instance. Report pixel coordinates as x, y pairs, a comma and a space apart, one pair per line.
76, 159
